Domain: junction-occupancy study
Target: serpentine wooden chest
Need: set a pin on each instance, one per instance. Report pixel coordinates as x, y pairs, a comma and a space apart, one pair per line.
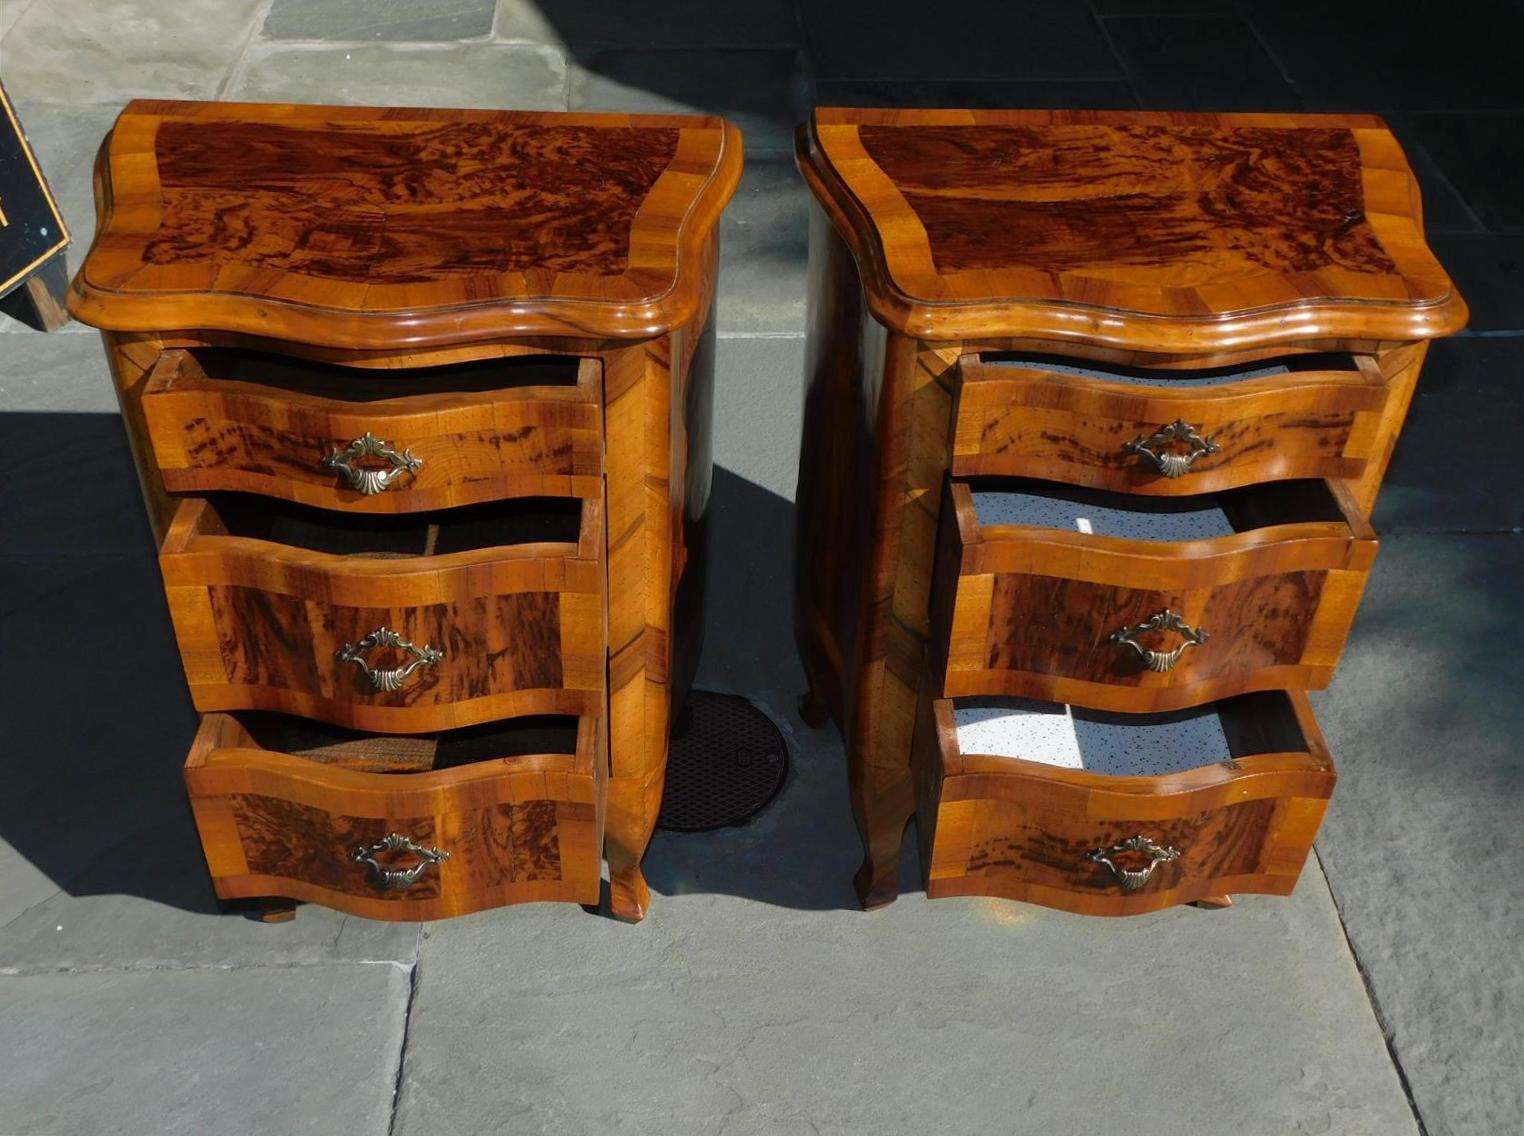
1097, 407
420, 401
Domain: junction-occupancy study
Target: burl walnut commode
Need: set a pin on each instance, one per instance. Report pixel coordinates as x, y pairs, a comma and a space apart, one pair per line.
1097, 408
420, 400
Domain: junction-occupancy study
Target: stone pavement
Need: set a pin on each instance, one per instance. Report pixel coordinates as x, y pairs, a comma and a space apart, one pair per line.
1385, 997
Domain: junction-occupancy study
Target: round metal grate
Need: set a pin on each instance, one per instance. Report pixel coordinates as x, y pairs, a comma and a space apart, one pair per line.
727, 763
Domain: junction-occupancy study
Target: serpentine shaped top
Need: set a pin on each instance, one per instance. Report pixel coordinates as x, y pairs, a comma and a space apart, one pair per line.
1140, 230
364, 227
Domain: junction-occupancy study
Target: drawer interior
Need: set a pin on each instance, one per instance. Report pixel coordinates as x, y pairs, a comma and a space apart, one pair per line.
1016, 501
202, 365
1128, 745
1175, 377
337, 747
517, 521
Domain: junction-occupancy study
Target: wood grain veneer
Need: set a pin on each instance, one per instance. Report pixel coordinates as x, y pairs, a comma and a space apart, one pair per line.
517, 829
1023, 830
939, 236
215, 432
1029, 611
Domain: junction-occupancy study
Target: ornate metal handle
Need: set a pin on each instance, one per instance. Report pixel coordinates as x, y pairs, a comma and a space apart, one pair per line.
388, 680
370, 481
1131, 879
1165, 620
396, 879
1170, 462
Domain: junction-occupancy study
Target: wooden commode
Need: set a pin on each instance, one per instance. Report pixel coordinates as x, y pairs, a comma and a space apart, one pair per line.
420, 401
1097, 408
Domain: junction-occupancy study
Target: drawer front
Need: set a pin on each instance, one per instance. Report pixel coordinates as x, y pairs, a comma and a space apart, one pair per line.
1062, 838
1135, 626
400, 845
399, 646
1024, 421
398, 455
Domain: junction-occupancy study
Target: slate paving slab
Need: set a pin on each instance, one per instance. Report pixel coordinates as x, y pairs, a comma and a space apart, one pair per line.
760, 91
1422, 843
764, 250
725, 1014
1207, 62
492, 75
1016, 94
109, 51
423, 21
1483, 156
670, 23
202, 1052
1488, 268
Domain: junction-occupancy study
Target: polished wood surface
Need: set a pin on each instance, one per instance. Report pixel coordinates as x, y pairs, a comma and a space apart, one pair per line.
516, 829
1026, 420
366, 228
1029, 611
236, 429
888, 412
259, 624
1019, 829
1147, 231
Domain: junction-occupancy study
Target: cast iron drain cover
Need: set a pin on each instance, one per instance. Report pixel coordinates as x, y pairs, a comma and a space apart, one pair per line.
727, 763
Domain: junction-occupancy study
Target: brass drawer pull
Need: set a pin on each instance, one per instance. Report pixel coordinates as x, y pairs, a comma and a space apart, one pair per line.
388, 680
1131, 879
1165, 620
370, 481
1170, 462
396, 879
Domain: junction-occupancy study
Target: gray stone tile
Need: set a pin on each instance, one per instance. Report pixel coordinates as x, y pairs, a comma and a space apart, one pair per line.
491, 75
10, 12
203, 1052
23, 885
964, 39
1437, 482
108, 51
764, 250
723, 1014
1488, 269
56, 371
671, 23
1056, 94
407, 20
1481, 154
1422, 842
1206, 62
1354, 56
760, 91
758, 407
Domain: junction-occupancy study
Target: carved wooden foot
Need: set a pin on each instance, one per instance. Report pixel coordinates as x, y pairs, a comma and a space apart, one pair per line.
1214, 902
877, 885
275, 909
815, 710
628, 895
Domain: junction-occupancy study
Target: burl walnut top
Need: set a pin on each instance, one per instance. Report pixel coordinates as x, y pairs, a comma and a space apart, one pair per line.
1151, 231
369, 227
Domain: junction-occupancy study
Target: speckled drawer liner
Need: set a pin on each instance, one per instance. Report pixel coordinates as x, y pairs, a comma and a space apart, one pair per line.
1150, 521
1058, 735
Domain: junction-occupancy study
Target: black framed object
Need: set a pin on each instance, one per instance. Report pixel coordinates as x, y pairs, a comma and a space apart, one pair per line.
32, 230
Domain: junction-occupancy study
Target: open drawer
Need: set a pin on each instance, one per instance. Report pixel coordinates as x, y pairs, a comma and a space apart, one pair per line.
375, 441
400, 827
1141, 604
394, 624
1105, 814
1167, 432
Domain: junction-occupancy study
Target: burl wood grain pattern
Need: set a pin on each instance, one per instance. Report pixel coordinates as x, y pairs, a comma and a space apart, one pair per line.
259, 624
366, 228
1032, 223
1020, 420
1030, 612
1001, 826
213, 433
516, 829
881, 374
